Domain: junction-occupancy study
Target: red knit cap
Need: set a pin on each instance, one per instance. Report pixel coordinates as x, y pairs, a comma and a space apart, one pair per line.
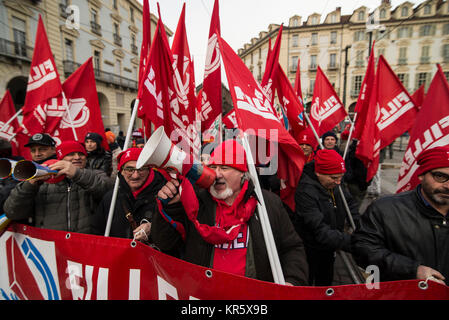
230, 153
329, 162
306, 137
128, 155
68, 147
429, 159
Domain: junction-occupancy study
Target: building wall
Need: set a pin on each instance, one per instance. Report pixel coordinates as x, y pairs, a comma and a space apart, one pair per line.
116, 77
425, 24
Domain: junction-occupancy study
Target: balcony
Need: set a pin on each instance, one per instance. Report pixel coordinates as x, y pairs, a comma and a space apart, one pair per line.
402, 61
425, 59
332, 66
95, 28
105, 77
15, 50
293, 68
117, 39
313, 67
134, 49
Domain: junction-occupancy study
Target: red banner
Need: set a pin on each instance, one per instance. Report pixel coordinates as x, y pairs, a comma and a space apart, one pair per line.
52, 265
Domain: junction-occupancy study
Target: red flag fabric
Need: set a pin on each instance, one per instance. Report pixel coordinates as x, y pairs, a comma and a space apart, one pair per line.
83, 107
255, 116
229, 120
7, 132
397, 110
430, 130
272, 67
362, 105
211, 106
146, 41
43, 80
418, 96
297, 87
326, 110
163, 102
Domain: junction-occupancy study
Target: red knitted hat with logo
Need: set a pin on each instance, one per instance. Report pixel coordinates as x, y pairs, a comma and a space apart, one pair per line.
329, 162
128, 155
429, 159
68, 147
230, 153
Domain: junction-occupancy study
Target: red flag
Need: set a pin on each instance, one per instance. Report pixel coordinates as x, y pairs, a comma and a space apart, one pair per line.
43, 80
272, 67
184, 66
211, 106
297, 88
326, 110
146, 41
418, 96
255, 116
229, 120
429, 131
362, 105
397, 110
83, 107
7, 111
163, 102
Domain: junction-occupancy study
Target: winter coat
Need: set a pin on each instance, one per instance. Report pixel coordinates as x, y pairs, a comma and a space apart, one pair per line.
100, 159
320, 213
67, 205
142, 207
196, 250
400, 232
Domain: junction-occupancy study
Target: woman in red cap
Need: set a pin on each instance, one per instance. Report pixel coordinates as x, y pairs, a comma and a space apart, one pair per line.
406, 234
221, 228
320, 214
65, 205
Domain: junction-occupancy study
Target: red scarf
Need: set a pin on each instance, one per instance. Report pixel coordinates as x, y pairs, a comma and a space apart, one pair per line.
146, 184
227, 225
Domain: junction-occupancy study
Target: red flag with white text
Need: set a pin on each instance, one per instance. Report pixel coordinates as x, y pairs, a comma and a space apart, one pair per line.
430, 130
326, 110
397, 109
7, 132
210, 98
255, 116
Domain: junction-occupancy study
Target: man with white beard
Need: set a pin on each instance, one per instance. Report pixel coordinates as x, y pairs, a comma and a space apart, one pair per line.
406, 235
225, 232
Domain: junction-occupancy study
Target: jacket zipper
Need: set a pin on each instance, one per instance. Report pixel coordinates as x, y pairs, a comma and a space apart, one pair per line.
69, 224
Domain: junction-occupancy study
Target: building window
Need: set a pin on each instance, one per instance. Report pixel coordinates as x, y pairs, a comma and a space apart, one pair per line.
118, 67
314, 38
293, 63
97, 60
69, 50
314, 20
445, 54
421, 78
333, 37
359, 62
94, 25
361, 15
333, 18
117, 37
404, 11
114, 4
131, 14
383, 14
425, 57
405, 32
359, 35
295, 22
427, 30
311, 86
333, 60
295, 40
403, 77
402, 55
313, 62
446, 28
356, 85
427, 9
19, 34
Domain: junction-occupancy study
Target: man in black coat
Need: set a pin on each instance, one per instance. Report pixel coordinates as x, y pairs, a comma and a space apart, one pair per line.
97, 157
320, 214
221, 225
135, 205
406, 235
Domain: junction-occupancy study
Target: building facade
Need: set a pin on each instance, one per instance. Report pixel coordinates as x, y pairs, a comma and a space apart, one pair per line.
412, 37
109, 31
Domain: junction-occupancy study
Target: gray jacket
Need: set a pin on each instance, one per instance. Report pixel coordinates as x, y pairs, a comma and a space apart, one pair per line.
67, 205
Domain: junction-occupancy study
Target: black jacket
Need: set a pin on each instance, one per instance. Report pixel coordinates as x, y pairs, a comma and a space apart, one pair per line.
355, 169
400, 232
100, 159
289, 245
141, 208
319, 220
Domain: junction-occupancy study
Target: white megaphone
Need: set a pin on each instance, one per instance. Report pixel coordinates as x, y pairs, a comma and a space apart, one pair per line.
6, 167
160, 152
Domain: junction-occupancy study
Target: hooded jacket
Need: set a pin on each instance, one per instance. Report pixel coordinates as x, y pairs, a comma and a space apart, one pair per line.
196, 250
400, 232
320, 213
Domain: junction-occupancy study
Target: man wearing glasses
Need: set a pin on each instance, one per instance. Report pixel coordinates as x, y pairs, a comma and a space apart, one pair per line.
406, 235
136, 202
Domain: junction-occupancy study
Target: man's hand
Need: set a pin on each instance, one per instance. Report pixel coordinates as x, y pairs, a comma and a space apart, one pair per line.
425, 273
170, 190
64, 167
142, 232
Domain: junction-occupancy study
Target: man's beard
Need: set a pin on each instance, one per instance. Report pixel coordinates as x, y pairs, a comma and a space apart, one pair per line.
438, 196
226, 193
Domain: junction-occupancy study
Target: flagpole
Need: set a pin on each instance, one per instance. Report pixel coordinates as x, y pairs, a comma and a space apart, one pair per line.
11, 119
273, 256
69, 115
115, 192
351, 130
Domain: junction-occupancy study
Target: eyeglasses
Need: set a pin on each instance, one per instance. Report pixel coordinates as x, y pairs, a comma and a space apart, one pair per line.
130, 170
439, 177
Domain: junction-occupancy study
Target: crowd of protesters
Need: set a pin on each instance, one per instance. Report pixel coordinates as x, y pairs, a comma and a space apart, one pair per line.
405, 235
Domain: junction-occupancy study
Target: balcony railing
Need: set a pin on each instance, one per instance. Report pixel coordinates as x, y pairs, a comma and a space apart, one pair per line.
313, 67
117, 39
15, 50
425, 59
95, 28
105, 77
134, 49
332, 66
402, 61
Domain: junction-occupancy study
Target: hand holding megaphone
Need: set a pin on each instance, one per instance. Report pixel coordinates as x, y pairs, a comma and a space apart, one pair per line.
169, 192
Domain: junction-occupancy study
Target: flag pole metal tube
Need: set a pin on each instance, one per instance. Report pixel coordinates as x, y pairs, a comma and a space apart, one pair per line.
11, 119
351, 130
69, 115
273, 257
114, 193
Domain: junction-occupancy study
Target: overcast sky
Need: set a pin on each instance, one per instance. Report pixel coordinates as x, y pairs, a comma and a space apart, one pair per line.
242, 20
